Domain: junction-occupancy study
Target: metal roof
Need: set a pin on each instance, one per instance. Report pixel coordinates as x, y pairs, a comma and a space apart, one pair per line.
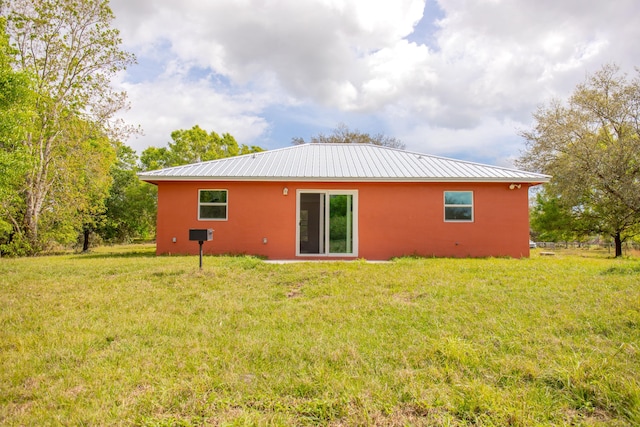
341, 162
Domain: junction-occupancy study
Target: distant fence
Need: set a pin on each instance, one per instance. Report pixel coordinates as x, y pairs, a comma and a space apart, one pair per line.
587, 245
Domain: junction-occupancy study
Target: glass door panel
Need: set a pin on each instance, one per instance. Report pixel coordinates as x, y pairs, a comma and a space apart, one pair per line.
340, 224
311, 225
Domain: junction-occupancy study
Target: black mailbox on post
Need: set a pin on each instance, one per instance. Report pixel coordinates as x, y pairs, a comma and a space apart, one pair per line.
201, 234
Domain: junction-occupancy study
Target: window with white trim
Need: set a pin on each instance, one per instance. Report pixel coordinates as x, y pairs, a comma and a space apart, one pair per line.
212, 204
458, 206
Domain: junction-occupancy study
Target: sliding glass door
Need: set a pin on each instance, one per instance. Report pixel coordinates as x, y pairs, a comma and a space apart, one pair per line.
327, 222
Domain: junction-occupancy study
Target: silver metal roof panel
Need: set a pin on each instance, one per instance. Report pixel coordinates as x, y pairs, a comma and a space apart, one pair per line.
341, 162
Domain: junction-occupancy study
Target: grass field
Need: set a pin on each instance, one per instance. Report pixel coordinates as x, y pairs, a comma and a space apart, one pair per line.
121, 337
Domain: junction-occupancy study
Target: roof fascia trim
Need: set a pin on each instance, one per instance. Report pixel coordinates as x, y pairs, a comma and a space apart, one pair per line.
537, 180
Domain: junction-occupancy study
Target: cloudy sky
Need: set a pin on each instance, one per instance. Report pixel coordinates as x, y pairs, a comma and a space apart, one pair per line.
457, 78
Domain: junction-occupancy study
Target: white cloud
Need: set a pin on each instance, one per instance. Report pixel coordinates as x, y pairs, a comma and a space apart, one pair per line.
491, 141
170, 103
488, 65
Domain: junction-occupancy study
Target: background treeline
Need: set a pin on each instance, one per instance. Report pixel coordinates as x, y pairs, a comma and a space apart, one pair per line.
66, 177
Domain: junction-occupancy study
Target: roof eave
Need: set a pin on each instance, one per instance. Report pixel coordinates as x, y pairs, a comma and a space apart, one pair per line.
520, 180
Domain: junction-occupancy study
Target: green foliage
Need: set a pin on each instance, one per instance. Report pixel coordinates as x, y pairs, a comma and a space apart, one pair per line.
13, 164
131, 205
67, 52
192, 146
342, 134
153, 158
72, 51
13, 244
121, 337
591, 147
551, 221
15, 113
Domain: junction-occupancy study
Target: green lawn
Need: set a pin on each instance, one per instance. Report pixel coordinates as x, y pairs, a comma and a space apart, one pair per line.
121, 337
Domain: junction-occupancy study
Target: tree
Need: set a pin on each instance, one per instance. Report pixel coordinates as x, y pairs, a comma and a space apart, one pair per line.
342, 134
552, 221
15, 102
71, 52
591, 147
131, 205
90, 182
154, 158
192, 146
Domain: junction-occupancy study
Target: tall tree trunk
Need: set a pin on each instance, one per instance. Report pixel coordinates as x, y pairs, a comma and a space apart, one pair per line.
31, 214
618, 243
38, 185
31, 219
85, 243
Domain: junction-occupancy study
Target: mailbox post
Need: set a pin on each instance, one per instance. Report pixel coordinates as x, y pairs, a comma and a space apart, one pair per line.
201, 235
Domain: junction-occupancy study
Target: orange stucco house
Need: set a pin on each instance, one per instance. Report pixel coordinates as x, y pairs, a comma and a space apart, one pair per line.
344, 201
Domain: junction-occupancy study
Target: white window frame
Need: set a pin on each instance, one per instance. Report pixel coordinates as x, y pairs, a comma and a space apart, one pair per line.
226, 204
444, 210
324, 215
